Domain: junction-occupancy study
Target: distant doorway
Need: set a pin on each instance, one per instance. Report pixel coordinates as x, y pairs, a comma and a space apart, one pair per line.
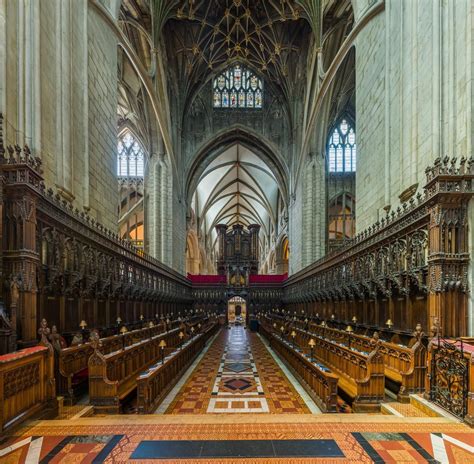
237, 311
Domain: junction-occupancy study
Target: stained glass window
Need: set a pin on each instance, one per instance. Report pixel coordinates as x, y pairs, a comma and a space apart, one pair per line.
342, 148
131, 158
237, 87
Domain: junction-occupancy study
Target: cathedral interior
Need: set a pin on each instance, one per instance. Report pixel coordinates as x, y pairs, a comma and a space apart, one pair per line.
236, 231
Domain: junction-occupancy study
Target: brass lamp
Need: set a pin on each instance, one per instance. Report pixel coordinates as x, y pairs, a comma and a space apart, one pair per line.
275, 325
293, 335
181, 336
142, 317
311, 344
282, 330
389, 323
192, 332
349, 331
333, 317
151, 325
118, 321
162, 346
123, 331
354, 320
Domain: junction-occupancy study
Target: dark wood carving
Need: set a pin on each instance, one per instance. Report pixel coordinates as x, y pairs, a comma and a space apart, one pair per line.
410, 267
60, 264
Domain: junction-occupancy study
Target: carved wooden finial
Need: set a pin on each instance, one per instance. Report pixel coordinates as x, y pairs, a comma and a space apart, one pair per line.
95, 340
44, 332
55, 338
418, 332
435, 328
375, 338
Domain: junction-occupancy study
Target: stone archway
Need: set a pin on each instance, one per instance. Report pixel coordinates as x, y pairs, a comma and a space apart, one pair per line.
237, 311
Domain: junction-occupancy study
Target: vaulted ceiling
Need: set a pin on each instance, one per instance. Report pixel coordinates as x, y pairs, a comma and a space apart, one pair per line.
236, 187
204, 36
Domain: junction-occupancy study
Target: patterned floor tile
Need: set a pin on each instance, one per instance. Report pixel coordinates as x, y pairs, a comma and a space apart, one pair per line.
359, 442
237, 367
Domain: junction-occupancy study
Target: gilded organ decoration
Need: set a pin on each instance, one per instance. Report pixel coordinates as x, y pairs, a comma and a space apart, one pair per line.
237, 253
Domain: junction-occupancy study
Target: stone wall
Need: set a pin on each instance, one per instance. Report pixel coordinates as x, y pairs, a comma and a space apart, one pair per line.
102, 94
414, 97
59, 96
202, 122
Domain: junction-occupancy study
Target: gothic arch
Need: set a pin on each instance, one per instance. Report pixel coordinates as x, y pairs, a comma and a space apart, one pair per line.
193, 253
246, 137
282, 254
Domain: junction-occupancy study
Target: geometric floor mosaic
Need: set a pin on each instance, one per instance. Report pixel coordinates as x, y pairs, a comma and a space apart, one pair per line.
338, 442
237, 375
237, 387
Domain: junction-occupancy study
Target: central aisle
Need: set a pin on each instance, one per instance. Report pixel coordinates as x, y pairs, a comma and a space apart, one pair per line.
237, 375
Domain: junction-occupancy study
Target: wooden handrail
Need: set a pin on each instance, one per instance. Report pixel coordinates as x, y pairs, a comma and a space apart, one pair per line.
73, 360
26, 384
320, 384
154, 384
112, 376
361, 374
404, 365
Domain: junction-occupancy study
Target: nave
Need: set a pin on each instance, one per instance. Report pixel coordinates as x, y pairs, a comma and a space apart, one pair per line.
236, 231
238, 375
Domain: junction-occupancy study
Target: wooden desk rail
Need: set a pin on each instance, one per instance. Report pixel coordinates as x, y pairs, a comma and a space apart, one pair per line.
113, 376
405, 365
154, 384
321, 385
361, 375
73, 360
26, 384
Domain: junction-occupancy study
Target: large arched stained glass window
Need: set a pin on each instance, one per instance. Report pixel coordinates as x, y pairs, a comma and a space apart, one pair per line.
237, 87
131, 158
342, 148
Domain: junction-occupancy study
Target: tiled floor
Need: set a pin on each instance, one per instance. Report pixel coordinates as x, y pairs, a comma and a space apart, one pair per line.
238, 375
300, 439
